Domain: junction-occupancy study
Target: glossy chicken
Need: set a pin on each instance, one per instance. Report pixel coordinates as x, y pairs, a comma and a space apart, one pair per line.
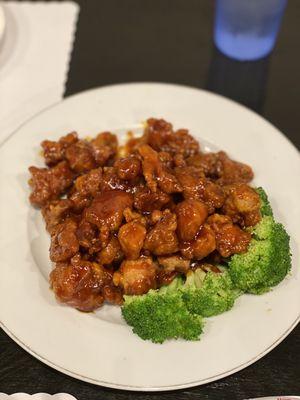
125, 225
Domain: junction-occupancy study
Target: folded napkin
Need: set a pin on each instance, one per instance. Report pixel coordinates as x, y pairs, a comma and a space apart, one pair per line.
34, 59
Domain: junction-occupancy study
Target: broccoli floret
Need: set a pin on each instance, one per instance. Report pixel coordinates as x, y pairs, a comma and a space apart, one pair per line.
265, 208
160, 315
209, 294
267, 260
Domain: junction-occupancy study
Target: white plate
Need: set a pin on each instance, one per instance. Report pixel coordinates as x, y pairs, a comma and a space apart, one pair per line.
100, 348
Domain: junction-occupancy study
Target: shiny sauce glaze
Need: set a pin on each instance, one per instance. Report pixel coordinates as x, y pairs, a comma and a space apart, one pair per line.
127, 224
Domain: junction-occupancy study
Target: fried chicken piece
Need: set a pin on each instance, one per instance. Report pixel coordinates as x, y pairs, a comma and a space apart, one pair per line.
80, 283
132, 145
212, 195
104, 147
157, 133
208, 163
183, 143
104, 235
201, 246
85, 188
131, 215
136, 277
167, 182
113, 295
233, 171
155, 216
166, 159
107, 209
156, 173
64, 242
111, 180
230, 239
146, 201
80, 157
242, 204
128, 168
191, 214
218, 166
49, 183
55, 151
131, 237
196, 186
89, 183
174, 263
111, 253
179, 160
150, 165
160, 136
162, 239
88, 237
55, 212
86, 233
189, 177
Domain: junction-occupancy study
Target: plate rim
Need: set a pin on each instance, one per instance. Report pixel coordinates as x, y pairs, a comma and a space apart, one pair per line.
151, 83
167, 387
151, 388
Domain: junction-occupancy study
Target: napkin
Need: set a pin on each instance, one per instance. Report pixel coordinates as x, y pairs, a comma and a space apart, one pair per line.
34, 59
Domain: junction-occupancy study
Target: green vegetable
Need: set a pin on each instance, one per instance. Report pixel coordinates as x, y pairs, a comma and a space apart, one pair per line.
176, 311
160, 315
213, 295
265, 209
268, 258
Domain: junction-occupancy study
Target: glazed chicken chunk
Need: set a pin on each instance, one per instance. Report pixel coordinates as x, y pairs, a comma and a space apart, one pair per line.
196, 186
137, 276
162, 238
200, 247
49, 184
131, 237
64, 242
107, 209
230, 239
191, 215
56, 151
242, 204
80, 283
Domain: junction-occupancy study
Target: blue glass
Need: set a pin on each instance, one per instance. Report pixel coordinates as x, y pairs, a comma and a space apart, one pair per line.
247, 29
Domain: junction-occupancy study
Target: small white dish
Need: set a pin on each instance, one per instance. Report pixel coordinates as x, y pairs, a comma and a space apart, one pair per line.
100, 348
277, 398
36, 396
2, 23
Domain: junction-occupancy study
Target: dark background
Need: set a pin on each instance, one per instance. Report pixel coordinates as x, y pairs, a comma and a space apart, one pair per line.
171, 41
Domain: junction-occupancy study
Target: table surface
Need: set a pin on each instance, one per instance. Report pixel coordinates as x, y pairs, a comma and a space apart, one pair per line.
171, 41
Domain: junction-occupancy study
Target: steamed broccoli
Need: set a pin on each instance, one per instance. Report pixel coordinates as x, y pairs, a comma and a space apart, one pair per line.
268, 258
160, 315
265, 208
176, 310
209, 294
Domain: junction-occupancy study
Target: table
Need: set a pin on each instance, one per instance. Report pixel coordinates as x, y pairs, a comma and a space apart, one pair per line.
171, 41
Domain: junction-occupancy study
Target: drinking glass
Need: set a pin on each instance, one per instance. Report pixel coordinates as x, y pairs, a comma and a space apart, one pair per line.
247, 29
